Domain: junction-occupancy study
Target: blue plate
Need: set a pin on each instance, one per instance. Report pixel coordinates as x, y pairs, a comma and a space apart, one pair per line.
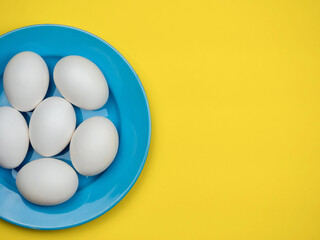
127, 108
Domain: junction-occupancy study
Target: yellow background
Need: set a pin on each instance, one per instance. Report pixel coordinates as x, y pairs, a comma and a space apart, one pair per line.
234, 92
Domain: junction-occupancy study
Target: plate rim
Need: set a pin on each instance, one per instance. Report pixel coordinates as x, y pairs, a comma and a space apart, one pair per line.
125, 192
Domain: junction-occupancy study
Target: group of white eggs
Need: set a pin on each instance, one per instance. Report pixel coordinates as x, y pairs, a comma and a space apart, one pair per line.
93, 144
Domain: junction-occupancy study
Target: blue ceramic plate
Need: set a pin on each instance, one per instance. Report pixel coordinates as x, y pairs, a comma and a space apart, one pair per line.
127, 108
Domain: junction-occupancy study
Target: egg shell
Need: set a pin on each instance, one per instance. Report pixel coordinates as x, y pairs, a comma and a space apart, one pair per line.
94, 146
25, 80
51, 126
81, 82
47, 181
14, 138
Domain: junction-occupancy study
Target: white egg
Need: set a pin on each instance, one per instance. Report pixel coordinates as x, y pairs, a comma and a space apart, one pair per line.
47, 181
94, 146
51, 126
81, 82
14, 138
25, 80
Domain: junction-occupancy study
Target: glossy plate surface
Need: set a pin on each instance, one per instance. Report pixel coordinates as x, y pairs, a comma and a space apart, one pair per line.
127, 108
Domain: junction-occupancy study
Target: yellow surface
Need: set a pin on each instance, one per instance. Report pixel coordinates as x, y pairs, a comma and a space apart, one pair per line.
234, 91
